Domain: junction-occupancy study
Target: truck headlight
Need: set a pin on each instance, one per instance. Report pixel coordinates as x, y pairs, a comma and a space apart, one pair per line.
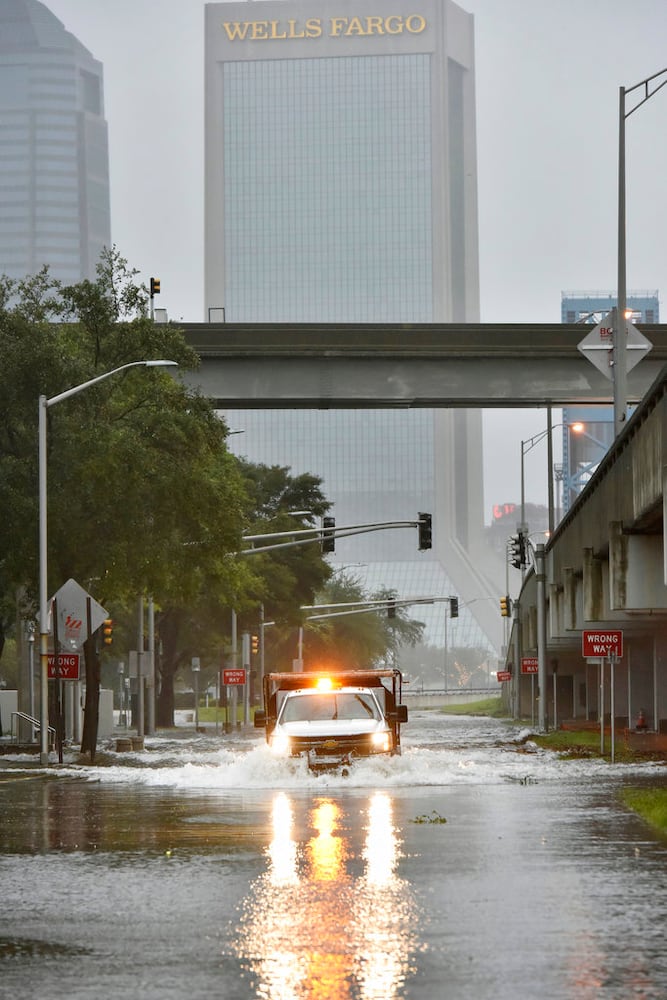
280, 744
380, 742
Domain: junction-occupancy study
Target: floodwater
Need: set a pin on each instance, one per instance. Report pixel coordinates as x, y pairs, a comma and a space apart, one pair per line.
472, 866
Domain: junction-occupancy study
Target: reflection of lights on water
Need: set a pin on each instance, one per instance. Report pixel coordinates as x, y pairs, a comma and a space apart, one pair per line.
384, 911
381, 851
326, 851
282, 849
311, 930
592, 971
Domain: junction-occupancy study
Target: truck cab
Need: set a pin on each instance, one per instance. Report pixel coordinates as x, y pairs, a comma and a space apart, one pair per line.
332, 718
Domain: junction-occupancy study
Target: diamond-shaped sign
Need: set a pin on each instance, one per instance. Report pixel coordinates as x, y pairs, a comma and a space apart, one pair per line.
72, 615
597, 346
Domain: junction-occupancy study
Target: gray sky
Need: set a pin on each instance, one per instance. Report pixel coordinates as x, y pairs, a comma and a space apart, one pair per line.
548, 75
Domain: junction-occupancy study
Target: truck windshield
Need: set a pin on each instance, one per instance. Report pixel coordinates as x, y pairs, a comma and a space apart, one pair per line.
321, 707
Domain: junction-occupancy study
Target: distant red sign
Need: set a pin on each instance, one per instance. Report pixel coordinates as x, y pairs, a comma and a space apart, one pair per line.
68, 667
601, 642
504, 675
502, 510
529, 665
233, 676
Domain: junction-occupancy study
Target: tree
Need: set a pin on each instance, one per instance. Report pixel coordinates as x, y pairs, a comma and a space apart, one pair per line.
143, 496
280, 581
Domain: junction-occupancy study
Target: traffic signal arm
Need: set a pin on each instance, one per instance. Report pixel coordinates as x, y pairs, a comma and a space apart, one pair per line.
316, 535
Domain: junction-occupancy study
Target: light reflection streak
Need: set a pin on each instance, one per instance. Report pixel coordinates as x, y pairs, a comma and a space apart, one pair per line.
282, 849
313, 929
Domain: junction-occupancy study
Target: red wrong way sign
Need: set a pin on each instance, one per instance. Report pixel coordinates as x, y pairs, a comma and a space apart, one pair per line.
233, 676
529, 665
601, 642
68, 667
504, 675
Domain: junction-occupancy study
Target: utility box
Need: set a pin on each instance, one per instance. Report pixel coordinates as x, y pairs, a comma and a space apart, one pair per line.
106, 724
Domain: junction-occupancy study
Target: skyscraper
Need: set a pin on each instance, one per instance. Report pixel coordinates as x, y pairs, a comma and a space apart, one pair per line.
54, 165
341, 187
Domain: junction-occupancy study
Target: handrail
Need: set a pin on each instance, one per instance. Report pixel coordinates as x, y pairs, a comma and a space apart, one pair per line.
33, 722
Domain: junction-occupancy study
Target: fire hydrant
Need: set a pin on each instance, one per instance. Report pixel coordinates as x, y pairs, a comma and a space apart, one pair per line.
641, 721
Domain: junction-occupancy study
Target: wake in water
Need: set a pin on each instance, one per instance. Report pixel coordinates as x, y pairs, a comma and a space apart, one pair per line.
437, 751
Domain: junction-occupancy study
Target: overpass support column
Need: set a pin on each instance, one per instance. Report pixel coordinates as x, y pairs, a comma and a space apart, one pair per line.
540, 578
516, 706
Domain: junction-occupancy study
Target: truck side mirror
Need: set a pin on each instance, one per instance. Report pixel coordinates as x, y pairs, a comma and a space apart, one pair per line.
401, 714
260, 718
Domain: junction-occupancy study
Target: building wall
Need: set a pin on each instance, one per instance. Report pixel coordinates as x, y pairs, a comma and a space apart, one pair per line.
54, 170
341, 187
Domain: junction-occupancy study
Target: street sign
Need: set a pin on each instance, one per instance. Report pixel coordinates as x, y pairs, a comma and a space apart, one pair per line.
71, 600
598, 344
233, 676
601, 642
529, 665
68, 667
504, 675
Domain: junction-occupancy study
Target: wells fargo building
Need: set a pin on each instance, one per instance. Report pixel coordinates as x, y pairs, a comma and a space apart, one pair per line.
341, 188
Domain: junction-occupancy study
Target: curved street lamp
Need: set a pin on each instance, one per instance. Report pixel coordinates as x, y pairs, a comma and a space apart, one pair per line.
648, 87
576, 427
44, 404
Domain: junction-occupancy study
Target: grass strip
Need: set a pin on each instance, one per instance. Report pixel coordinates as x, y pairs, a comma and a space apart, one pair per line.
650, 804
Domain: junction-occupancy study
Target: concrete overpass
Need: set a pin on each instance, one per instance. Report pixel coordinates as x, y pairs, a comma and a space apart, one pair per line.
606, 569
605, 563
329, 366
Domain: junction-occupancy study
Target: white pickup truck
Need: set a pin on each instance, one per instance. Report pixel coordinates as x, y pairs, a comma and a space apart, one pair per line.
330, 719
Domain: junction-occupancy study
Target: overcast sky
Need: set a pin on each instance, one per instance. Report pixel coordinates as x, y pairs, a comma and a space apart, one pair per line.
548, 74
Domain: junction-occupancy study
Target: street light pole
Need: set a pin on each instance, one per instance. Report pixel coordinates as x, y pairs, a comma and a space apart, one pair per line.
620, 371
44, 404
526, 446
550, 465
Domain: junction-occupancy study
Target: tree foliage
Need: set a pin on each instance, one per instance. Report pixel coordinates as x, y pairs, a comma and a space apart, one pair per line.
143, 497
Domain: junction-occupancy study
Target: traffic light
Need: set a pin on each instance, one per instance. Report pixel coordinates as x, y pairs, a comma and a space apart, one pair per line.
518, 550
107, 631
155, 286
453, 607
424, 531
505, 607
254, 644
328, 538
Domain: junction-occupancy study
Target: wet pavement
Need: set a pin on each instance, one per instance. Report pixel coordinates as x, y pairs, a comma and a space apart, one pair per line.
470, 867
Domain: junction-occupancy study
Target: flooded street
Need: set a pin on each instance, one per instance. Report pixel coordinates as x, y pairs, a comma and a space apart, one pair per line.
204, 867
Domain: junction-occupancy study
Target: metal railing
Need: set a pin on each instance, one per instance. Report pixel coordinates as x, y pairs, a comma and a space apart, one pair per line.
35, 723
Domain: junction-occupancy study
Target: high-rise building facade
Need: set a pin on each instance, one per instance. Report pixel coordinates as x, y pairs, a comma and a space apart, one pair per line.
54, 164
341, 188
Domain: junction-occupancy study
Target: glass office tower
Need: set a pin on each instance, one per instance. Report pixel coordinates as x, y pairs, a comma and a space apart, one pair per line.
54, 165
341, 188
